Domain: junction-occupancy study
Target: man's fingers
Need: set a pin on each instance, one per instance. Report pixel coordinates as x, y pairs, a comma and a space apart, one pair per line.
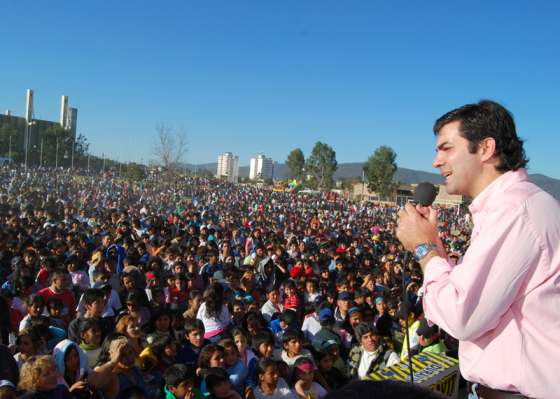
433, 216
423, 210
411, 210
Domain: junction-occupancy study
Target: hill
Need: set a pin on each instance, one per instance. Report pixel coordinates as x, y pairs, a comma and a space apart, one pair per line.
406, 176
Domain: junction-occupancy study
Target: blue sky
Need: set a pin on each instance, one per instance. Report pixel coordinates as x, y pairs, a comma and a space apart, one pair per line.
270, 76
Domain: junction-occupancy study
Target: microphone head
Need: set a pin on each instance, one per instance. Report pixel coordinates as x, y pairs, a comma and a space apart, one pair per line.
425, 194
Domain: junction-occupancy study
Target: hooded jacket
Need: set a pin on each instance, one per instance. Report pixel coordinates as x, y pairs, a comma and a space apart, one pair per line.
59, 353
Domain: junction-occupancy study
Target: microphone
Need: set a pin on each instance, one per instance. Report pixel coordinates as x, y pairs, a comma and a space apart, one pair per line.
425, 194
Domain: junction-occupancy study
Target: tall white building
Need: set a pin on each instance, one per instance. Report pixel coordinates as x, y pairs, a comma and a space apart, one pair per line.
260, 168
228, 167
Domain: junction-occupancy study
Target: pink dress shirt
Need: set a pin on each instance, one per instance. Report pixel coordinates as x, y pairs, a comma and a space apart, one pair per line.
503, 300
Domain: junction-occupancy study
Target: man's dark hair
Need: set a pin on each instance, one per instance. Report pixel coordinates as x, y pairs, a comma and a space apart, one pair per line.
178, 373
86, 324
35, 299
288, 316
58, 273
291, 335
91, 295
488, 119
55, 303
192, 325
262, 337
214, 377
363, 328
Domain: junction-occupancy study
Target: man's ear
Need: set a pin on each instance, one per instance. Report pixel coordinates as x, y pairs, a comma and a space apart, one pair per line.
487, 148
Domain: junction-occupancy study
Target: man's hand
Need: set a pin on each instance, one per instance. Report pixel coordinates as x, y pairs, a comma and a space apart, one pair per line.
417, 225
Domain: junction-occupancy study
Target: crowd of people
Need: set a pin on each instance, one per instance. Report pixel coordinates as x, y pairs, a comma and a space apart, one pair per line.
119, 289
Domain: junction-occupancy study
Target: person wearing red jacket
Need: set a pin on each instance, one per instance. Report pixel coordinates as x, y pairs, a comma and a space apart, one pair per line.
291, 299
57, 289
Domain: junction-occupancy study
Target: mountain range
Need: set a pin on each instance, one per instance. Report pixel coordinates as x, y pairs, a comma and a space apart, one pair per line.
403, 175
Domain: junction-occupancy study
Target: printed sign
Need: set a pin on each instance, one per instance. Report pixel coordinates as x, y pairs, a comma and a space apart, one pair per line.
437, 372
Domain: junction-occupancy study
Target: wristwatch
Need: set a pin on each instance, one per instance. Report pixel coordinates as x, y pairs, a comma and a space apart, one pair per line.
424, 249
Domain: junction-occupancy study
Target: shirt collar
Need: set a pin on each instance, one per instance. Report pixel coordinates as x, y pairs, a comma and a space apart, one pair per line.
498, 186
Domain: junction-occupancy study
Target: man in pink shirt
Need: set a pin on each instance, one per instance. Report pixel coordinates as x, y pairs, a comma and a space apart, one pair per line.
502, 301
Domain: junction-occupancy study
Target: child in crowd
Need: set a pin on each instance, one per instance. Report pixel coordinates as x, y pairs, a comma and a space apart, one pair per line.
240, 339
330, 374
263, 344
237, 371
194, 341
90, 340
219, 386
269, 383
211, 356
305, 387
162, 351
35, 308
333, 349
285, 321
292, 347
80, 279
27, 344
429, 338
160, 326
179, 383
272, 306
291, 299
178, 293
311, 290
54, 307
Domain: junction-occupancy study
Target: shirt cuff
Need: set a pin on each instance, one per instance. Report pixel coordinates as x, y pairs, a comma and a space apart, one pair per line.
435, 268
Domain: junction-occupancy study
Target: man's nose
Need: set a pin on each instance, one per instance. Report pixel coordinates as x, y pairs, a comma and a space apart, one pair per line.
438, 161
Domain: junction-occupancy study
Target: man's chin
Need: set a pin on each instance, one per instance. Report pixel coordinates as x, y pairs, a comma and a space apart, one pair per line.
450, 189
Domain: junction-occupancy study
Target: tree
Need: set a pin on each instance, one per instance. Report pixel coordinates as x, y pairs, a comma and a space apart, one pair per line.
135, 171
321, 165
379, 171
170, 148
10, 139
296, 163
56, 148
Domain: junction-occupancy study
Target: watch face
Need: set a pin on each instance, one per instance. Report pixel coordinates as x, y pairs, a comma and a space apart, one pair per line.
420, 251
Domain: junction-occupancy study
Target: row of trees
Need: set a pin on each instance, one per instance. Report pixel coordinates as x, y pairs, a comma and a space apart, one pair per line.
49, 144
318, 169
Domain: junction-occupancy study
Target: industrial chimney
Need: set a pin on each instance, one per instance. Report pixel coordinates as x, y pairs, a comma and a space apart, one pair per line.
29, 106
64, 112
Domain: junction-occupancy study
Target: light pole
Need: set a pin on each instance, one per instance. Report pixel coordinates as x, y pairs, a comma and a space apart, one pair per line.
41, 155
10, 147
73, 145
26, 139
56, 154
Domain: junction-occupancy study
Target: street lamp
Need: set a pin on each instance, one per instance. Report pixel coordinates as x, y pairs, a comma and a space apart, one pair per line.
65, 156
56, 154
73, 146
10, 147
27, 138
41, 154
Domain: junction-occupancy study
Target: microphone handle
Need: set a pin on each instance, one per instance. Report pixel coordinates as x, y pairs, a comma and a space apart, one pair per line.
406, 304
